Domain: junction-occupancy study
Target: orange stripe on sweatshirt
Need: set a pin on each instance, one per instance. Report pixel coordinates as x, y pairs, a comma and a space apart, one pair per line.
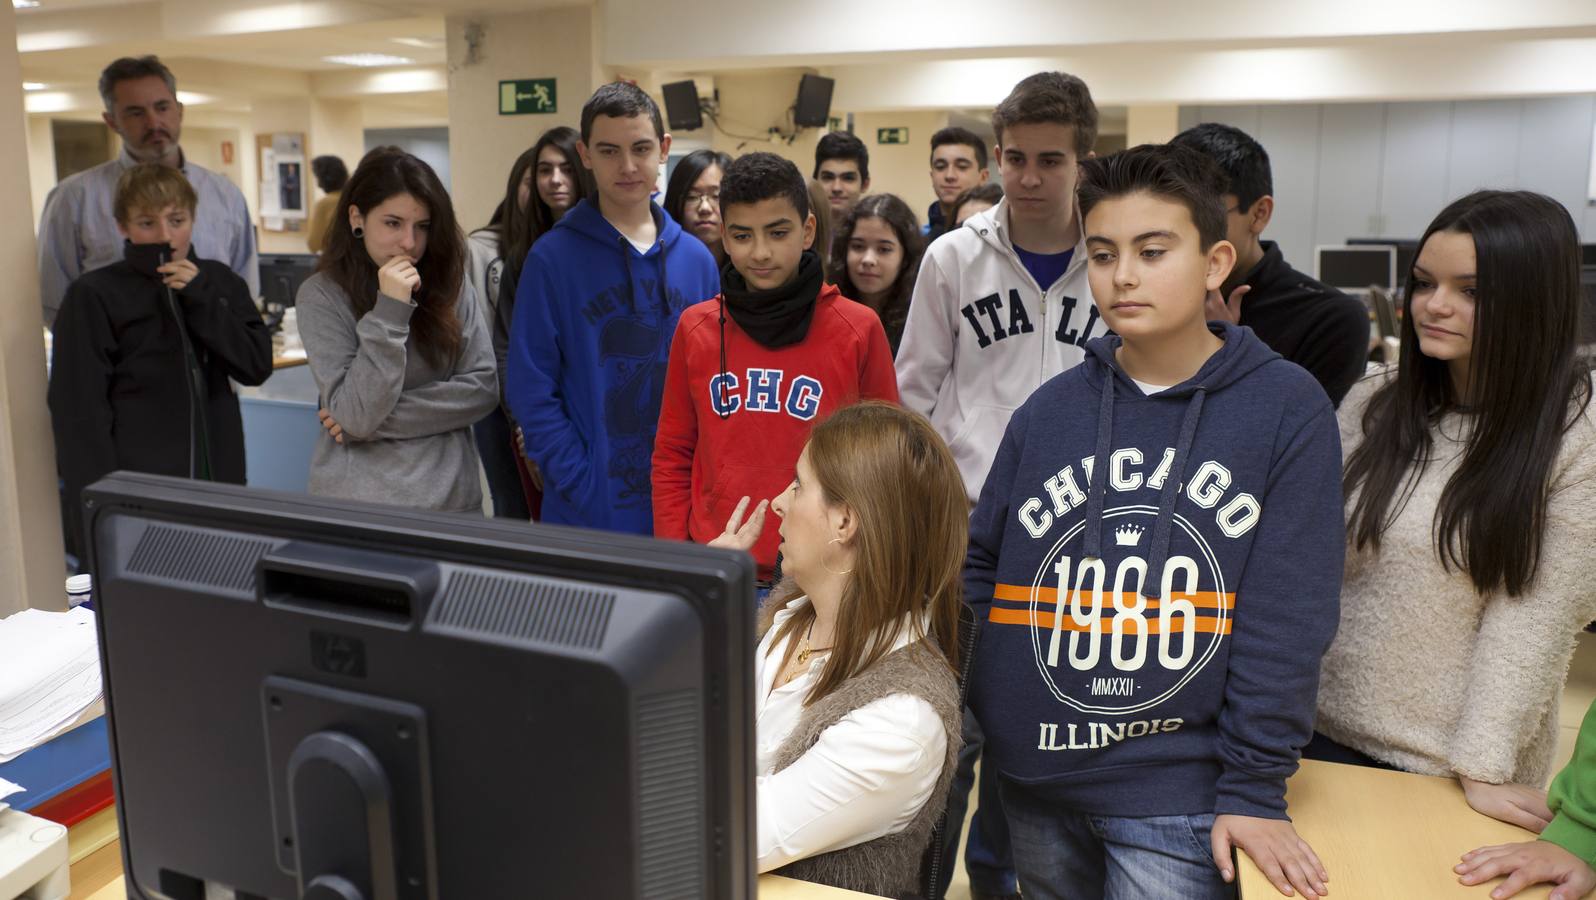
1044, 620
1021, 593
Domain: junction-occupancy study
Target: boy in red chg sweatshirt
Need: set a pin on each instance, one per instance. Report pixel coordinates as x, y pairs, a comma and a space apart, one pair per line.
754, 369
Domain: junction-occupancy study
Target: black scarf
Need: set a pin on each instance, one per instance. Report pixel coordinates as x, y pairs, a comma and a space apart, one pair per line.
778, 317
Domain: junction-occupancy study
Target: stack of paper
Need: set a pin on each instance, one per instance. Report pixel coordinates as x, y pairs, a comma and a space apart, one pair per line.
51, 675
8, 788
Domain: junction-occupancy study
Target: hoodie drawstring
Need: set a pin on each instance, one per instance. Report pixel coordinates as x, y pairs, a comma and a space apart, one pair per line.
1098, 479
1153, 588
722, 412
1162, 526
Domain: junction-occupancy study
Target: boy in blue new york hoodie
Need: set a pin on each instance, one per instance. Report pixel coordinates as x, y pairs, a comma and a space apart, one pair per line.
595, 309
1156, 564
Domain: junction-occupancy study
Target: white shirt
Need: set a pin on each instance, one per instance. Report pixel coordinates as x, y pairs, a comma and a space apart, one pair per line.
77, 232
867, 776
1151, 389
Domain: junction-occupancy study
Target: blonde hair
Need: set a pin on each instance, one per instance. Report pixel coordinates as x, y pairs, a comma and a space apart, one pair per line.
820, 205
151, 187
897, 476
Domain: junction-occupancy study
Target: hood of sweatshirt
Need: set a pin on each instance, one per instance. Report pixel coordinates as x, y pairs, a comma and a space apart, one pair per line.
1240, 354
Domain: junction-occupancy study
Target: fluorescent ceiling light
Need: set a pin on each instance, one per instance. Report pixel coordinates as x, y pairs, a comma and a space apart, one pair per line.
34, 85
368, 59
189, 98
24, 4
426, 43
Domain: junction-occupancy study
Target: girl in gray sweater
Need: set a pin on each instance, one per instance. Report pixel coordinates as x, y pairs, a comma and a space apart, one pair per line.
397, 345
1469, 479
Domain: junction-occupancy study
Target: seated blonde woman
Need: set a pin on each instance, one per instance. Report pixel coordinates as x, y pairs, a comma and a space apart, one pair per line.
855, 688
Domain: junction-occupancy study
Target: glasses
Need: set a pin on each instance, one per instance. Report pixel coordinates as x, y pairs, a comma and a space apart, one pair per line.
692, 200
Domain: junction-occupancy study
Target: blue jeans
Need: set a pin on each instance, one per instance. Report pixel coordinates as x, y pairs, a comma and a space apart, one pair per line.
1064, 855
496, 447
987, 859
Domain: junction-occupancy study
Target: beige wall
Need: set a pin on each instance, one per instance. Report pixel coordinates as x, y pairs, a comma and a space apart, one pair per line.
31, 559
41, 163
483, 145
902, 169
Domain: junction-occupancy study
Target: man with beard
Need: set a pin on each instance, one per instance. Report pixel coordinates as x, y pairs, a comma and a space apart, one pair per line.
78, 231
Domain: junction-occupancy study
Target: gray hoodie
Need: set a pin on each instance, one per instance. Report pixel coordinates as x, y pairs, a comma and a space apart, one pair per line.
407, 424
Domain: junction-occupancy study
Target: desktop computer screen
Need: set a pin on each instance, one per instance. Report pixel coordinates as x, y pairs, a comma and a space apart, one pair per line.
319, 698
1406, 250
281, 274
1356, 268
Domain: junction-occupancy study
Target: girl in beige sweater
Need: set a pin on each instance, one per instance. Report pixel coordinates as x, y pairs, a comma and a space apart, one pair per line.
1470, 482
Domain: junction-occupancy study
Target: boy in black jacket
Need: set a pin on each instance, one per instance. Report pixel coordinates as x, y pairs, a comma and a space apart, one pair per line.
144, 349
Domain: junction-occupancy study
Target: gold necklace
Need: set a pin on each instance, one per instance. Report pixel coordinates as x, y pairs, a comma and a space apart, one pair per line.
805, 651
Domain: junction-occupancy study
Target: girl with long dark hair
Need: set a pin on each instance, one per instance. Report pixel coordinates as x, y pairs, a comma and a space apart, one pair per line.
1469, 478
875, 257
397, 344
545, 181
692, 197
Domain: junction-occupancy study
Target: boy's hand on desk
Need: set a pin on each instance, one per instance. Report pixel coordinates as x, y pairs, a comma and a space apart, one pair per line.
1515, 804
1283, 857
1532, 862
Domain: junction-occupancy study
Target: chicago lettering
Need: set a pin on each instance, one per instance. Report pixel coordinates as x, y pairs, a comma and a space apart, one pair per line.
1207, 486
1100, 734
767, 391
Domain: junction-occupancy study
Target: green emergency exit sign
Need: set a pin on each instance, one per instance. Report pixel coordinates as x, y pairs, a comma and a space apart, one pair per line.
530, 95
892, 135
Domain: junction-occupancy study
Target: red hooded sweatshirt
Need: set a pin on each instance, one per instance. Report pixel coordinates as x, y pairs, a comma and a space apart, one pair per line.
770, 398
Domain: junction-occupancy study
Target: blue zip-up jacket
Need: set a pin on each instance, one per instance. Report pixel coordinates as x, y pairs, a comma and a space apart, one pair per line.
1156, 579
589, 343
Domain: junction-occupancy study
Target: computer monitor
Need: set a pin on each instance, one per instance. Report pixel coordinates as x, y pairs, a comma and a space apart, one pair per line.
1406, 250
1352, 268
281, 274
1587, 255
320, 698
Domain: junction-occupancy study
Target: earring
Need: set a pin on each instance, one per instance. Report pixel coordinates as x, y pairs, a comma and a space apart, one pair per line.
823, 559
358, 232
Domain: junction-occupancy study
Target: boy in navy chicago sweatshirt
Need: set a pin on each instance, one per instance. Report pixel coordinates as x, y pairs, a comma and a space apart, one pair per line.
595, 309
1156, 564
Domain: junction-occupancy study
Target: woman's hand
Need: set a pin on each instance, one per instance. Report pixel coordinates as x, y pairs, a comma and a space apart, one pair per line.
333, 428
1283, 857
398, 278
178, 273
740, 535
1515, 804
1532, 862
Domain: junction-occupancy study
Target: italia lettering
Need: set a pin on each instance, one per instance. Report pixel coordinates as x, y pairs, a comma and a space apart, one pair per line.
1208, 488
992, 320
1097, 735
766, 390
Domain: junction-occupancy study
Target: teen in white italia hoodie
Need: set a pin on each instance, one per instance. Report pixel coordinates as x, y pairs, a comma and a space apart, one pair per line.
982, 335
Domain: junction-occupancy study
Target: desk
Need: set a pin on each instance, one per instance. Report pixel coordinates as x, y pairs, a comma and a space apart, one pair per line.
98, 876
1386, 834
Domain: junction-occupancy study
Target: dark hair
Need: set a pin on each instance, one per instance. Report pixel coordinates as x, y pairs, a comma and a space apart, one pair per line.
518, 231
889, 208
620, 100
763, 176
1170, 171
129, 68
387, 172
842, 145
688, 170
987, 192
1527, 388
331, 173
964, 137
1244, 161
1050, 98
